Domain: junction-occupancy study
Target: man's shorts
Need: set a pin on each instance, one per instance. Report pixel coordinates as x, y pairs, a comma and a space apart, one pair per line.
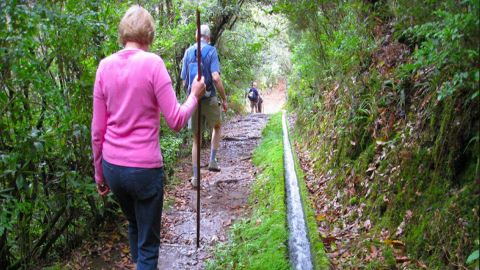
211, 114
253, 104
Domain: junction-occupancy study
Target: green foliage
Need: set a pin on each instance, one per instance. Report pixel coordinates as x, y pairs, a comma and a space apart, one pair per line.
45, 162
391, 88
260, 241
449, 44
473, 257
238, 63
170, 144
49, 53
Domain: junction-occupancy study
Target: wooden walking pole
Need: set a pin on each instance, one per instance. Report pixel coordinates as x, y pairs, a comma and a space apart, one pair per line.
199, 117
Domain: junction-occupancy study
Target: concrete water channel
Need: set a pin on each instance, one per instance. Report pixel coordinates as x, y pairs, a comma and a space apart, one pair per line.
298, 242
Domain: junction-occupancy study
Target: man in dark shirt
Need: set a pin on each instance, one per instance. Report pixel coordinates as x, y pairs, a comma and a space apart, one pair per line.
253, 97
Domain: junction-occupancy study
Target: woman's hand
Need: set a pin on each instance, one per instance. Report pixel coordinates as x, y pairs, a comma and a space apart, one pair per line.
198, 88
225, 105
102, 189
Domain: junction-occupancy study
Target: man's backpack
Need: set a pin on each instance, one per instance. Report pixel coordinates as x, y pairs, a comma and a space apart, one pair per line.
192, 69
253, 94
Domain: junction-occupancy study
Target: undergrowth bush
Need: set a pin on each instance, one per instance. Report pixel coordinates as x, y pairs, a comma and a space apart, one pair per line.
49, 52
386, 95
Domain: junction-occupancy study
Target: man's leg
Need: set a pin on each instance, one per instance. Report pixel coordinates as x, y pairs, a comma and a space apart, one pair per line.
216, 137
214, 119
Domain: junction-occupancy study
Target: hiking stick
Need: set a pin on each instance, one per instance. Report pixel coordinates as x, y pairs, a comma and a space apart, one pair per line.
199, 117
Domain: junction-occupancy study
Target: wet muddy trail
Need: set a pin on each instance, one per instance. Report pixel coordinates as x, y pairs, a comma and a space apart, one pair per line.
223, 200
223, 197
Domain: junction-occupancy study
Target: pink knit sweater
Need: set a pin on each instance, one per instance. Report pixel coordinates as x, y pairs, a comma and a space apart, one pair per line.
132, 87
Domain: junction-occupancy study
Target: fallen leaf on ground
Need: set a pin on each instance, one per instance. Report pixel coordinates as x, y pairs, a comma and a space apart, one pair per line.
402, 259
367, 225
394, 242
329, 239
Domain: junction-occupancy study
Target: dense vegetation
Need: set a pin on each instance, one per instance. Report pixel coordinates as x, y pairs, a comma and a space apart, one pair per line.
49, 52
386, 94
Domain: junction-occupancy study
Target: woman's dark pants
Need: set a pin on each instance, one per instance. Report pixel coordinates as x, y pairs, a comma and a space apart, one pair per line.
139, 192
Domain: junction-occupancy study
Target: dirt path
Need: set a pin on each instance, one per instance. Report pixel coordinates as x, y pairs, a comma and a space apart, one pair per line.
275, 98
223, 200
223, 197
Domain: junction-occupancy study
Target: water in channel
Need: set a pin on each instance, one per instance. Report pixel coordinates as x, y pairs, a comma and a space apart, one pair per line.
298, 243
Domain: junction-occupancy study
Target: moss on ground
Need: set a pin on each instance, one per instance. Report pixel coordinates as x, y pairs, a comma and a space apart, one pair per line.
260, 241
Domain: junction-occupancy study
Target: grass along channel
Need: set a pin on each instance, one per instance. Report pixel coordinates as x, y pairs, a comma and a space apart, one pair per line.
260, 241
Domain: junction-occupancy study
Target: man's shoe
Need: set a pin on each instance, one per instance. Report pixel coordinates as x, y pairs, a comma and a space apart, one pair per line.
213, 166
194, 182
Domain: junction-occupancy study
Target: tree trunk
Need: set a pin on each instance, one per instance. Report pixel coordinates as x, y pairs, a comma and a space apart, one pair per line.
224, 20
4, 254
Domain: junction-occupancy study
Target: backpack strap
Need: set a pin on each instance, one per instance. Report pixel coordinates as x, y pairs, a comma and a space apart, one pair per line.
205, 51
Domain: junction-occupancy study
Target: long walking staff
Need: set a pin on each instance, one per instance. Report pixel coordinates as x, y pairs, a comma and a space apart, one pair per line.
199, 117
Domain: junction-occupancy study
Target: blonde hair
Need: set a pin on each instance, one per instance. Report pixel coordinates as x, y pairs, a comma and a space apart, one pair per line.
137, 25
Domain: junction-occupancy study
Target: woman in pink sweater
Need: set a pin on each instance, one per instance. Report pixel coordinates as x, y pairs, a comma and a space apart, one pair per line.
132, 88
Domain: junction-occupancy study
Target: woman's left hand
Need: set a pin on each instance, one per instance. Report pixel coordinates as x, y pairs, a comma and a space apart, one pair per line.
102, 189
